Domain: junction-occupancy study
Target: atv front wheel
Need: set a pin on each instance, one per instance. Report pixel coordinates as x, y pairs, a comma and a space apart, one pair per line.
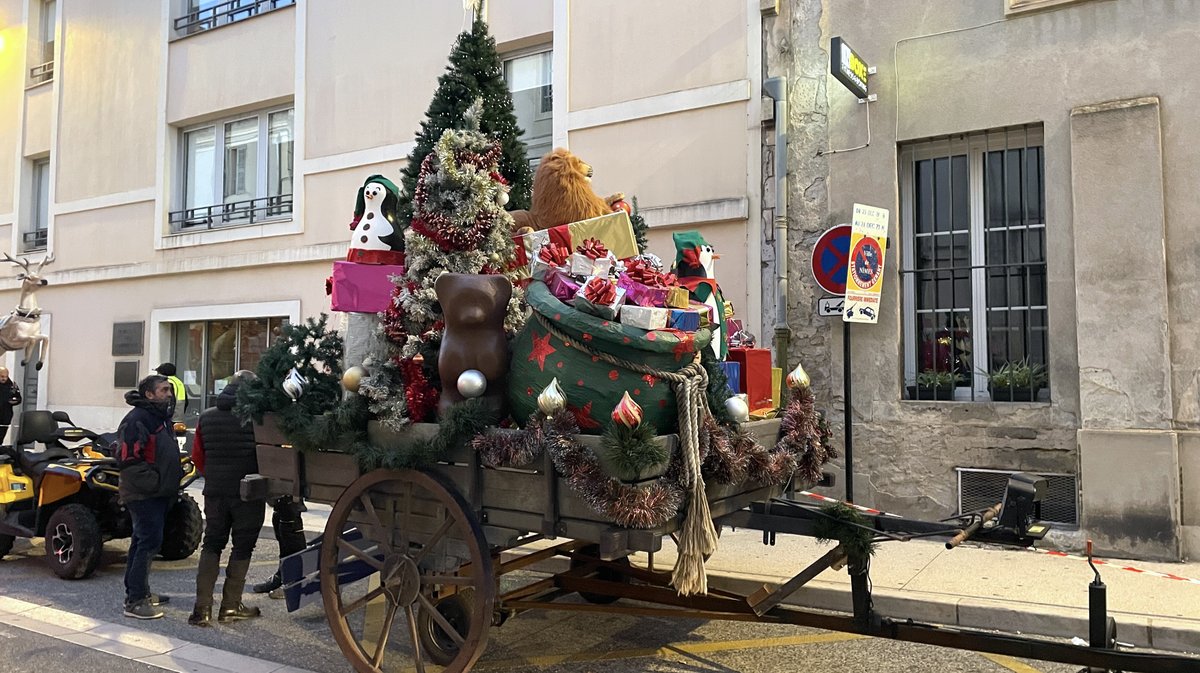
6, 544
73, 542
181, 532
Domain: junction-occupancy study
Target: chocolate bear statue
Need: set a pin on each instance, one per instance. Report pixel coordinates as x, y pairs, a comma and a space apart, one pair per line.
473, 307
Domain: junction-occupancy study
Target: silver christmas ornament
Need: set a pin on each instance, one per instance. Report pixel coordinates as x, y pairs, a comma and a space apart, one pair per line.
293, 384
552, 399
738, 409
472, 383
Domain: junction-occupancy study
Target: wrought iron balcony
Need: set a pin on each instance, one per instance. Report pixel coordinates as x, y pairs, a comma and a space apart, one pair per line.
207, 18
233, 214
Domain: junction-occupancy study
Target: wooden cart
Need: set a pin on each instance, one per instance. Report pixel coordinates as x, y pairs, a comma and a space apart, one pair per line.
412, 560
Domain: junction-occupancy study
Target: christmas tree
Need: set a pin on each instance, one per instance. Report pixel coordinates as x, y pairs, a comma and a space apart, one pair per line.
458, 226
475, 72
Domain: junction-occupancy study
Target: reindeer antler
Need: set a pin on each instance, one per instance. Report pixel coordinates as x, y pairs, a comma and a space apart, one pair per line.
23, 263
45, 260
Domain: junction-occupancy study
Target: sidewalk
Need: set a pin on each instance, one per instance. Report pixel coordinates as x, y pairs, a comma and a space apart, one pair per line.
1017, 591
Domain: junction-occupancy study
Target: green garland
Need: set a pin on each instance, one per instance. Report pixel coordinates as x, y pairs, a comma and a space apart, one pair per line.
836, 526
458, 427
633, 450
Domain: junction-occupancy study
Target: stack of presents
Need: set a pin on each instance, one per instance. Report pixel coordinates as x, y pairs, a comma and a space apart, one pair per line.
594, 266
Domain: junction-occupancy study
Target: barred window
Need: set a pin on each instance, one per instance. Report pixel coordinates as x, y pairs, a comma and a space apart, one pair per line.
973, 220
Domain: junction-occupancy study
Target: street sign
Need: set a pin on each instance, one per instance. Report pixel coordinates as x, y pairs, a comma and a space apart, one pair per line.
864, 275
848, 67
829, 259
830, 306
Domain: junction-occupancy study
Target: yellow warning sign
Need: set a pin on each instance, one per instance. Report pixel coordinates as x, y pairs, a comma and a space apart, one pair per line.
864, 272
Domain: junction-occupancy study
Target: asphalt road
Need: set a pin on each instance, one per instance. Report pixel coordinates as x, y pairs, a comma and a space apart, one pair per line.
543, 642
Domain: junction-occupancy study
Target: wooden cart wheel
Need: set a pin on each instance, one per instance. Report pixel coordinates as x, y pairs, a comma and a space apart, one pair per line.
405, 574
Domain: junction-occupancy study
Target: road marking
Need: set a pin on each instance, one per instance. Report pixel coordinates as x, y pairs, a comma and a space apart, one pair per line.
1010, 663
668, 650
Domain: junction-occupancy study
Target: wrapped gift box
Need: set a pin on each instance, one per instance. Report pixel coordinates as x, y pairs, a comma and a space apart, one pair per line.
561, 285
644, 317
678, 297
579, 264
756, 375
687, 320
705, 311
607, 309
614, 231
642, 294
733, 374
777, 387
363, 288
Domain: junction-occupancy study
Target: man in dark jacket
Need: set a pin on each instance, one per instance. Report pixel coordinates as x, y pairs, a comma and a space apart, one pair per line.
10, 396
150, 475
224, 451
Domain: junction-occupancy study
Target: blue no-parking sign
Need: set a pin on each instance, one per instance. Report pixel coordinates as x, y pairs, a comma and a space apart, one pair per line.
830, 256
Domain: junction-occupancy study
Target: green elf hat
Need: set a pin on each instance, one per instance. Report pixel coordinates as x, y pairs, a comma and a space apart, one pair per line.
685, 242
360, 205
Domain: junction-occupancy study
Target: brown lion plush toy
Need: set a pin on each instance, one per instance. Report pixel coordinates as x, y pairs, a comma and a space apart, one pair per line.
562, 193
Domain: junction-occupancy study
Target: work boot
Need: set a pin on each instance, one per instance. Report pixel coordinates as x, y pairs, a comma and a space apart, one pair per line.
270, 585
232, 609
206, 582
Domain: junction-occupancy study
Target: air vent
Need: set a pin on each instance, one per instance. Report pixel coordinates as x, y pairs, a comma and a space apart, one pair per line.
980, 489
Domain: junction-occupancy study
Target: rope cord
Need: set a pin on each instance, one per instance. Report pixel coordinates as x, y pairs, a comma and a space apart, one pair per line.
698, 537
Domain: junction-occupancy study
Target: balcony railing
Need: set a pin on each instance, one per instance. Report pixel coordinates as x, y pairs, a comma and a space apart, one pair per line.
233, 214
42, 73
32, 241
207, 18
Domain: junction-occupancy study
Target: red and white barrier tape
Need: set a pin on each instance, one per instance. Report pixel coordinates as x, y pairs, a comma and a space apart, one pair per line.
827, 499
1116, 564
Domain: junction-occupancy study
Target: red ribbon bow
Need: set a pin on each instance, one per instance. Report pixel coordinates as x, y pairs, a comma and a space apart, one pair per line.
600, 291
592, 248
554, 254
642, 272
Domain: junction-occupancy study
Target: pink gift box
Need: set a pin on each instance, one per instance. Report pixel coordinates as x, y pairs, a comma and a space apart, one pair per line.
561, 285
363, 288
642, 294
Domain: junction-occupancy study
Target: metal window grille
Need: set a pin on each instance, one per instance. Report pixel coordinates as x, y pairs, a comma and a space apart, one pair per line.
206, 18
39, 74
32, 241
973, 266
231, 214
981, 488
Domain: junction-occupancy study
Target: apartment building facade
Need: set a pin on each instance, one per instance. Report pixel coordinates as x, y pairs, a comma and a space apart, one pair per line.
191, 165
1037, 158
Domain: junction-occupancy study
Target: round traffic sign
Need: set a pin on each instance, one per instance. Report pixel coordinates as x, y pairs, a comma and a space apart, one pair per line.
830, 257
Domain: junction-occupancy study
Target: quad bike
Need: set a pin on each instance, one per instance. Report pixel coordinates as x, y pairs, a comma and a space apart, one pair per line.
68, 494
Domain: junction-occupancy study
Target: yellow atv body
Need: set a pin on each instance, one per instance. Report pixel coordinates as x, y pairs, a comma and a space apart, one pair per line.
69, 496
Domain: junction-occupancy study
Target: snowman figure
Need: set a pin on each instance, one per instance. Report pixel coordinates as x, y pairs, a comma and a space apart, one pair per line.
376, 237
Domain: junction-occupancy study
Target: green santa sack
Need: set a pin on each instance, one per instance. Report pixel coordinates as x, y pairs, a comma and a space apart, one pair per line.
593, 386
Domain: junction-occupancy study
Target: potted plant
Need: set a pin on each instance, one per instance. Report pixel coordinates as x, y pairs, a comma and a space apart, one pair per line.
1017, 381
934, 385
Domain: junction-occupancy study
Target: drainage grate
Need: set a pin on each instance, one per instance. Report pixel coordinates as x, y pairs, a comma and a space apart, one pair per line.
980, 489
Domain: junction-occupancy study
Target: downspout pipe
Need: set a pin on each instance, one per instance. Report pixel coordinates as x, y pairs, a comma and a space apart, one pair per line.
776, 89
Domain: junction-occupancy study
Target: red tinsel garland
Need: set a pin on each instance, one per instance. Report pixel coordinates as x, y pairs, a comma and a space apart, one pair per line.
420, 396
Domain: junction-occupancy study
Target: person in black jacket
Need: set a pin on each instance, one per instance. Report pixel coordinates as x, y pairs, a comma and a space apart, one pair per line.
10, 396
150, 473
224, 451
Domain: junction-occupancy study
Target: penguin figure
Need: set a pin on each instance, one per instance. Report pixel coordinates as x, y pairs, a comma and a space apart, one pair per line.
375, 236
694, 259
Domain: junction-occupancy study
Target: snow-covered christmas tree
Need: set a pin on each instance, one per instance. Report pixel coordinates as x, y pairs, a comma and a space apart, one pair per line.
459, 226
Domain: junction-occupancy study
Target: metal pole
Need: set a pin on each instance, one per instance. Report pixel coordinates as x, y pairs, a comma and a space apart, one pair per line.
849, 420
776, 88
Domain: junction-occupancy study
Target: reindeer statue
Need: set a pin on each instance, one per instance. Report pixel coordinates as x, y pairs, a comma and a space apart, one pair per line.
22, 328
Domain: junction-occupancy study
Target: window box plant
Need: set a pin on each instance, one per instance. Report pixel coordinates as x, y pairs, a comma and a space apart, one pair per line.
934, 385
1017, 381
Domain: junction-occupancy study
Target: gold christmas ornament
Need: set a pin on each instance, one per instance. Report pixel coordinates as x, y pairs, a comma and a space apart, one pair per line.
797, 378
352, 378
552, 399
738, 409
627, 412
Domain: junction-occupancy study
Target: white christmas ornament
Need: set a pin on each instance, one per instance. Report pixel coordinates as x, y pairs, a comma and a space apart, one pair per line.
552, 398
293, 384
502, 198
472, 383
738, 409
